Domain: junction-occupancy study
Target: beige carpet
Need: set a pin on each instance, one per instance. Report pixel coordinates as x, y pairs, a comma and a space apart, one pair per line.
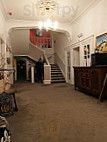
57, 113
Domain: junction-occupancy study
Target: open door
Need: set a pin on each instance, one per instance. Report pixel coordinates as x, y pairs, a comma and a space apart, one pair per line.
21, 70
68, 66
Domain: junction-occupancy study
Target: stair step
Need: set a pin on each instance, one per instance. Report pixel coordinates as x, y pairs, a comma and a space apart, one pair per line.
54, 65
58, 81
56, 68
54, 79
56, 71
56, 74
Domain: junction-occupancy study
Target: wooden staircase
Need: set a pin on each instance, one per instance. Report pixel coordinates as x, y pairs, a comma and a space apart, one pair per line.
56, 74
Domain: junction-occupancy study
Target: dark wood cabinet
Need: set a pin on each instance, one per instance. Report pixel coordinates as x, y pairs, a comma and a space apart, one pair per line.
90, 79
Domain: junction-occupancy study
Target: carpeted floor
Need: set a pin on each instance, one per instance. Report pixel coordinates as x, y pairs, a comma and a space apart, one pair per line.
57, 113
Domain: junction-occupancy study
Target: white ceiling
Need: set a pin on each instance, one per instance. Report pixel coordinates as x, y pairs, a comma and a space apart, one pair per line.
68, 11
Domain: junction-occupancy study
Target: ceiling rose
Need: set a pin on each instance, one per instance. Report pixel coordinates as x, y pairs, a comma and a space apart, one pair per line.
46, 7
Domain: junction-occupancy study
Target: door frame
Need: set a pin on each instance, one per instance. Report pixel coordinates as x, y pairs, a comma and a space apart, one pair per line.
66, 65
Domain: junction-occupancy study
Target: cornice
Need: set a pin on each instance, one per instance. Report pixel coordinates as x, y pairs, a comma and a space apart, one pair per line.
84, 11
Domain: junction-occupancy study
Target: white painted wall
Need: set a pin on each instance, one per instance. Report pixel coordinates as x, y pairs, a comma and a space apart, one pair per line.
92, 22
61, 41
20, 42
2, 23
3, 28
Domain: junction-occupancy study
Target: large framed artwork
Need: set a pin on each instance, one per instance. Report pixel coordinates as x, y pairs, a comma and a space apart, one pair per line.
101, 43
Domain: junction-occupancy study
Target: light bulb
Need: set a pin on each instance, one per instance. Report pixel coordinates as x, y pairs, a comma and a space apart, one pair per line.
55, 25
40, 25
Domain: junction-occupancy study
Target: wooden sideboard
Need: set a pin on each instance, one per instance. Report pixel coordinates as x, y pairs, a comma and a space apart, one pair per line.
90, 79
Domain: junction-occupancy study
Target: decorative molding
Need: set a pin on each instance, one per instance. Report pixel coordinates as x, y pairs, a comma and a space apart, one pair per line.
84, 11
77, 43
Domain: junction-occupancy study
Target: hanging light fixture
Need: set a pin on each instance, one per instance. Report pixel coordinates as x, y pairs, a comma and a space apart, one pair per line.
46, 7
48, 25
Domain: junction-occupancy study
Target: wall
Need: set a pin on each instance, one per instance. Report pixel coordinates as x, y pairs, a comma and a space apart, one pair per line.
20, 42
5, 50
93, 22
2, 23
61, 41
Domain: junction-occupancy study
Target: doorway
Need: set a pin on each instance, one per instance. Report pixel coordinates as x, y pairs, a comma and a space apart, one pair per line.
21, 69
76, 56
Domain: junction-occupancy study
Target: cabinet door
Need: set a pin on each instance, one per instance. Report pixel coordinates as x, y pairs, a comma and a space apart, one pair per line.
95, 81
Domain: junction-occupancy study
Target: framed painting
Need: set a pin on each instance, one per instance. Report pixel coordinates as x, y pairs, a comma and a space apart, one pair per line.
8, 61
39, 33
101, 43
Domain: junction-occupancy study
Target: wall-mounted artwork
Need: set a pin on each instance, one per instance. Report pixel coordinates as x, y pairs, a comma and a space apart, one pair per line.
2, 57
8, 61
101, 43
39, 32
8, 49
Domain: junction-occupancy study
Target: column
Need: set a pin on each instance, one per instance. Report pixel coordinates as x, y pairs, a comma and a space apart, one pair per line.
32, 75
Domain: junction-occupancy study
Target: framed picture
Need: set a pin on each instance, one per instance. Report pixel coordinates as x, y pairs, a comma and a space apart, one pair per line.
8, 61
39, 33
101, 43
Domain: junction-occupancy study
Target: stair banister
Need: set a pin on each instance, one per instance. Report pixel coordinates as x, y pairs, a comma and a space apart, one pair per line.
47, 71
41, 53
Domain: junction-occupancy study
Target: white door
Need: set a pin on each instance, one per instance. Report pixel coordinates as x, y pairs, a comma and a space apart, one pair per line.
76, 56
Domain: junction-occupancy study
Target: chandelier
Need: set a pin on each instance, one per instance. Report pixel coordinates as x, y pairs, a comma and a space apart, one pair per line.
46, 7
48, 25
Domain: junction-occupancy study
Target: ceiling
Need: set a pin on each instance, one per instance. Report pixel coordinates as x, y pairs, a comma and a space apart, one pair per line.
67, 10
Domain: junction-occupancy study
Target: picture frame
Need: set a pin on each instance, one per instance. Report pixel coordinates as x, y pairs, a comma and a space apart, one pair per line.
39, 33
8, 61
101, 43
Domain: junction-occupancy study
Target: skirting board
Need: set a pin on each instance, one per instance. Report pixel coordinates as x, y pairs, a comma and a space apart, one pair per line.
47, 82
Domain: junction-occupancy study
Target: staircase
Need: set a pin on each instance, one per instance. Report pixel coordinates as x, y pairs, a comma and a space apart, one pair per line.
56, 74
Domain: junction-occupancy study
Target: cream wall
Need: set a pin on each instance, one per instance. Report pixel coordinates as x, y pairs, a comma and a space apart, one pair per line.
2, 23
61, 41
92, 22
19, 41
3, 29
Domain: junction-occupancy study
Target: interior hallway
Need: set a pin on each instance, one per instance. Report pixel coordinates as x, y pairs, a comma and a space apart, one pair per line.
79, 118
